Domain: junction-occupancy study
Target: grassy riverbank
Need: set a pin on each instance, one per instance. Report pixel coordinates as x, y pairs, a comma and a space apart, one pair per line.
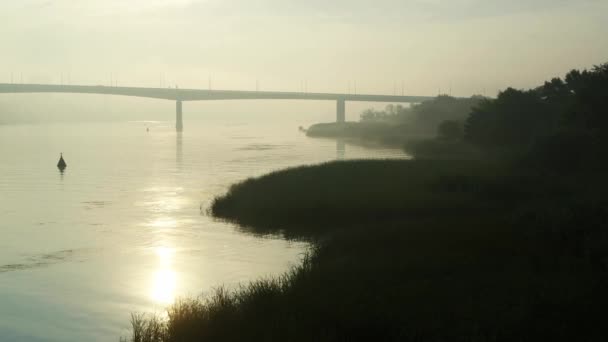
343, 193
411, 251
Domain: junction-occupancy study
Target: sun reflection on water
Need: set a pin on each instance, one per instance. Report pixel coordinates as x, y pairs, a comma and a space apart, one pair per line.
165, 279
162, 202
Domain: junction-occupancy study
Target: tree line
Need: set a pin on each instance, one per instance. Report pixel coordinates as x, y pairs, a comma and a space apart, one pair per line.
562, 123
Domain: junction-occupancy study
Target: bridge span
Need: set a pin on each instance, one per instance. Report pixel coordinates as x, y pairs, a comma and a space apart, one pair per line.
180, 95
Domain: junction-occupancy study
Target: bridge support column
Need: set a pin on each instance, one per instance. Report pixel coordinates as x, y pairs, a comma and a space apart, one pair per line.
179, 124
340, 111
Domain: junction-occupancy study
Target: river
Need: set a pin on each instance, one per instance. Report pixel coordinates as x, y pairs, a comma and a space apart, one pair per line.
124, 229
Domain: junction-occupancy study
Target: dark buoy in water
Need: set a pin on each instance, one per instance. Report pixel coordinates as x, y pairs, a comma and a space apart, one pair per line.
61, 165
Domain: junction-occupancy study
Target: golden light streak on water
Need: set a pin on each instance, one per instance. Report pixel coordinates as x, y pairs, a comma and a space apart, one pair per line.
164, 281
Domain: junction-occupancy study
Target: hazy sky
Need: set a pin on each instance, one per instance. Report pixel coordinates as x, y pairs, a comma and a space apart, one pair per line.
468, 45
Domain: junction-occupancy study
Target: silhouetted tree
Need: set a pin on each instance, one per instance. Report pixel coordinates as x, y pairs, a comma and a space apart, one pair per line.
565, 122
590, 109
514, 120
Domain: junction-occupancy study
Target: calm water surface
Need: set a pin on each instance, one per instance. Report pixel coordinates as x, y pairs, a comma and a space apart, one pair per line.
124, 228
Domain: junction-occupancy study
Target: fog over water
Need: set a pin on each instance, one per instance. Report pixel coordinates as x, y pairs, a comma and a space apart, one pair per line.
122, 229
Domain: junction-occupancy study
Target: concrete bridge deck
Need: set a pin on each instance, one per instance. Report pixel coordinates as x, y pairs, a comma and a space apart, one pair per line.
180, 95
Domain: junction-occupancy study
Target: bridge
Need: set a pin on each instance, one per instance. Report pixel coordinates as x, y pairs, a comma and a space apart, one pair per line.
180, 95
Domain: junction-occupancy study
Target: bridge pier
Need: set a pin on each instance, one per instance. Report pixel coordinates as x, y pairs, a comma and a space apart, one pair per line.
340, 111
179, 124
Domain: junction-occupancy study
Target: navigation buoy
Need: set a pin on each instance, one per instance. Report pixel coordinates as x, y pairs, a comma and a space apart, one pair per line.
61, 165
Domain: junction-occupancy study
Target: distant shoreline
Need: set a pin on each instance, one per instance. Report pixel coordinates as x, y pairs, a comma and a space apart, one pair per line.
385, 134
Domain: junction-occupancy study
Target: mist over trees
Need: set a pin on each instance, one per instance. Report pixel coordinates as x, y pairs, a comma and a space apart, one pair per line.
442, 117
424, 117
